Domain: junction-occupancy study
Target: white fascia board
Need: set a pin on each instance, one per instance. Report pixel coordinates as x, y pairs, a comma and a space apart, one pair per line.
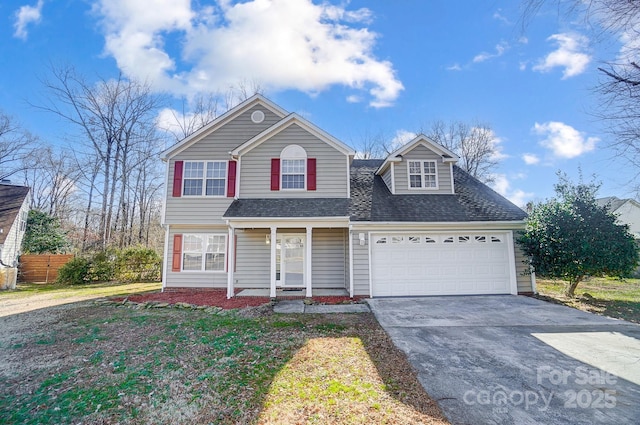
448, 225
283, 124
259, 222
220, 121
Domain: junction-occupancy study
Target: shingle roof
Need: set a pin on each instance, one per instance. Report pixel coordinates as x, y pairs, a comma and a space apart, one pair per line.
371, 200
288, 207
613, 202
472, 201
11, 199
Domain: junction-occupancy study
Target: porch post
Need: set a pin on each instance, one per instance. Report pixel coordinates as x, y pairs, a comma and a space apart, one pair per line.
231, 260
350, 236
307, 262
272, 287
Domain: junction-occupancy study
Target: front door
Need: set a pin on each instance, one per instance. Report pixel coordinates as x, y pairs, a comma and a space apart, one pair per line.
291, 260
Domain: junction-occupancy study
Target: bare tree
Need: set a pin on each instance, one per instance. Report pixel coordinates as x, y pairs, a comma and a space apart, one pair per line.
112, 117
373, 146
619, 85
475, 144
16, 144
52, 177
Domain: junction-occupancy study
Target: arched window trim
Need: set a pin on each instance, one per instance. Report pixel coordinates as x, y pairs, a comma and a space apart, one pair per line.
293, 168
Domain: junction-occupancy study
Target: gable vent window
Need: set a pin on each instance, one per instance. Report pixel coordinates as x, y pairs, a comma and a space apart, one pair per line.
423, 175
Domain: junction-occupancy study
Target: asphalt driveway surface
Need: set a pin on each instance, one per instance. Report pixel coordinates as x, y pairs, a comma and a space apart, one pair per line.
517, 360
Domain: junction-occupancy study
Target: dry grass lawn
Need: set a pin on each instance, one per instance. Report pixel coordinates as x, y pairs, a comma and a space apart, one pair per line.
81, 363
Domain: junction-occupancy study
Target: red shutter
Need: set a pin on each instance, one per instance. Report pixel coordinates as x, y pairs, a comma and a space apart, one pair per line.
311, 174
177, 179
177, 253
231, 179
275, 173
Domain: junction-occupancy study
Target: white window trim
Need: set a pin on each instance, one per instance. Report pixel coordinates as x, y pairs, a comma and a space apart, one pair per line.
422, 174
294, 153
204, 179
204, 253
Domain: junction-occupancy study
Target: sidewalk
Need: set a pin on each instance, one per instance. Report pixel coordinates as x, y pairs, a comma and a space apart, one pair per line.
298, 306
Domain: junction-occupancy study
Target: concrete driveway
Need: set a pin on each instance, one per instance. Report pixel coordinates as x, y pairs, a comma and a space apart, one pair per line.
517, 360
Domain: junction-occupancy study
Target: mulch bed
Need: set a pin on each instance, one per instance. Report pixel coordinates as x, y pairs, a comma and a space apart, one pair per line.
218, 298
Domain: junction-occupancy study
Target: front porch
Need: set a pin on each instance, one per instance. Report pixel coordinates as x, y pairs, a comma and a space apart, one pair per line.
299, 258
293, 293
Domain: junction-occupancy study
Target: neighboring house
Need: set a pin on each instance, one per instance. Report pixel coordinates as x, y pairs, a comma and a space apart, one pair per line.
262, 198
14, 207
627, 211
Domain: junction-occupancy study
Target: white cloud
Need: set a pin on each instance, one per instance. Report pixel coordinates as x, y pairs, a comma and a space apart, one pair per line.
25, 16
500, 17
354, 98
530, 158
280, 44
500, 48
502, 185
569, 55
522, 66
563, 140
402, 137
454, 67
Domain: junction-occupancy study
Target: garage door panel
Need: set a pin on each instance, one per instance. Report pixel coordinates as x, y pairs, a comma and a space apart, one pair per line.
440, 264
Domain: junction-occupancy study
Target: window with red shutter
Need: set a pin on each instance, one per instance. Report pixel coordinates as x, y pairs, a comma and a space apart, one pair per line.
311, 174
177, 253
177, 178
231, 179
275, 173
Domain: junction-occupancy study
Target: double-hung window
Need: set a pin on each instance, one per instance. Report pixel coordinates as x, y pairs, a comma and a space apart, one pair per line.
423, 174
204, 252
293, 172
205, 178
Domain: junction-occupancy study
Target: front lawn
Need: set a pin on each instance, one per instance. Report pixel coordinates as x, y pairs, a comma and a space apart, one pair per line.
109, 364
93, 290
606, 296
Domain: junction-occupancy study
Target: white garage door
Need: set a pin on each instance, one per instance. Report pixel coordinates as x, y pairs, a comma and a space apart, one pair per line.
441, 264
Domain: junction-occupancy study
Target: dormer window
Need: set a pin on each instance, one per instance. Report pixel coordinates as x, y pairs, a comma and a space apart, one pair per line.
423, 175
293, 168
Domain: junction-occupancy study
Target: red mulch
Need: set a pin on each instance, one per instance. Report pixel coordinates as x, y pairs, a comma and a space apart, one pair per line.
218, 298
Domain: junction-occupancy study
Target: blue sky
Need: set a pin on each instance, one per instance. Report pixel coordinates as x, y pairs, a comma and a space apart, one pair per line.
355, 69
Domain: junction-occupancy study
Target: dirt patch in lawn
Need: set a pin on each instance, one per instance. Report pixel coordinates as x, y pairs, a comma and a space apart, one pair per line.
89, 364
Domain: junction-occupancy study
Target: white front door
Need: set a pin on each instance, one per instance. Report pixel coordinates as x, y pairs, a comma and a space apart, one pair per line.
290, 260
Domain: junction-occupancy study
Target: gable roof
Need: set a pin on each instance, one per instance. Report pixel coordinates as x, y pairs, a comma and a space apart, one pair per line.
232, 113
11, 200
615, 203
285, 123
472, 201
420, 139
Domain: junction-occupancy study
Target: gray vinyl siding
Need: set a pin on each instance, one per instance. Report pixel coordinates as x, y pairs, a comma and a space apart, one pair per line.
420, 152
219, 143
360, 265
523, 277
386, 177
328, 258
255, 167
253, 259
192, 279
213, 147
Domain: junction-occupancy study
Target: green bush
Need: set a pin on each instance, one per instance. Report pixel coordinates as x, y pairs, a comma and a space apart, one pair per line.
127, 265
75, 272
138, 263
103, 266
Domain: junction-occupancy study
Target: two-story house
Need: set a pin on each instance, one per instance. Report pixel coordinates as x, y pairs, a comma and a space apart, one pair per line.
263, 199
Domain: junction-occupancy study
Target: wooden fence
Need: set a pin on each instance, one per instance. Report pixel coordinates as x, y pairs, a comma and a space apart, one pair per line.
41, 268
